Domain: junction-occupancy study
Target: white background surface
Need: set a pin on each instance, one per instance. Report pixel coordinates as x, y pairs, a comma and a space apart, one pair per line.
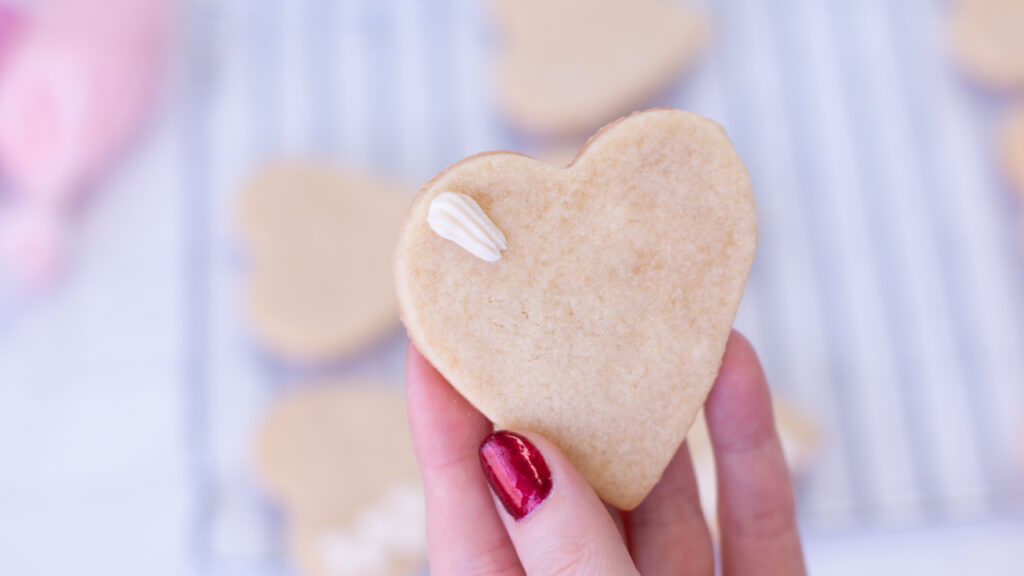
887, 298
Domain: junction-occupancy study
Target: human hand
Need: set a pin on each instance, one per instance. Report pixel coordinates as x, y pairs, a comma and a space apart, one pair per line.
544, 519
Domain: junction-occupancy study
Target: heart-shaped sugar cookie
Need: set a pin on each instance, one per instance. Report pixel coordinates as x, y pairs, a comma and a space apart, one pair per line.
337, 457
318, 239
603, 322
987, 38
1013, 147
568, 66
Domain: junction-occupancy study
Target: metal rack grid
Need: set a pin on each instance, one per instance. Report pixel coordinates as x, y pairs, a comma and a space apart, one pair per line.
888, 293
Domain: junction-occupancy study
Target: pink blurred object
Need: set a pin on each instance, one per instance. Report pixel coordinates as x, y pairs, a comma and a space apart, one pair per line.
32, 242
10, 25
77, 85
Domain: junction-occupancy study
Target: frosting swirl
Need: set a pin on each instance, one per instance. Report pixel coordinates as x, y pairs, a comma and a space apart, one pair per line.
457, 217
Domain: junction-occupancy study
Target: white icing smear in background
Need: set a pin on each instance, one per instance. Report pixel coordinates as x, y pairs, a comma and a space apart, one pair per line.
393, 527
457, 217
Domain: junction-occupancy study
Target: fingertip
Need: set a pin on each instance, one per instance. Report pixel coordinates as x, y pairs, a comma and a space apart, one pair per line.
442, 422
755, 497
419, 374
568, 483
465, 535
555, 519
417, 368
427, 389
669, 532
739, 407
741, 369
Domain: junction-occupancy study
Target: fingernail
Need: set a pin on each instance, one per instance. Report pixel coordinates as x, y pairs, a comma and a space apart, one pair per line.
516, 472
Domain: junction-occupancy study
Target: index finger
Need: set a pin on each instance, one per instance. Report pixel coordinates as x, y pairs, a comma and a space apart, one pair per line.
464, 533
756, 510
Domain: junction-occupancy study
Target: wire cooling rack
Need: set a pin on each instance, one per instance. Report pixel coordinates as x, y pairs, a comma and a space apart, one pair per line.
887, 298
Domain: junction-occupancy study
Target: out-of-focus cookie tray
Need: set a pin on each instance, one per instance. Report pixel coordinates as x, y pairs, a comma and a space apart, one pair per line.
887, 298
888, 294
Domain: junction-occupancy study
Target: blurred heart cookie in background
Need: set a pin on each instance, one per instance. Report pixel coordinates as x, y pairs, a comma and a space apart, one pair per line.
1012, 150
319, 242
987, 38
1013, 147
566, 67
337, 457
590, 304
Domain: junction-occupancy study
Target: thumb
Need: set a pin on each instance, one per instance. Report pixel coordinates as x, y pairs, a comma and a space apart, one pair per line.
555, 520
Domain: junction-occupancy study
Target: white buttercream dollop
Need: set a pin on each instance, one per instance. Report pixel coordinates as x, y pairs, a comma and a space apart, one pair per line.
391, 528
457, 217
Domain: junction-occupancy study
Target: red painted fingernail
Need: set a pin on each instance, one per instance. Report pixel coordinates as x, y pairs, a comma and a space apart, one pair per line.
516, 472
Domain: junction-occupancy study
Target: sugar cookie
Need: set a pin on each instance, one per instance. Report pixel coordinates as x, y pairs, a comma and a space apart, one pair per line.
568, 66
602, 325
1013, 148
987, 38
338, 459
319, 239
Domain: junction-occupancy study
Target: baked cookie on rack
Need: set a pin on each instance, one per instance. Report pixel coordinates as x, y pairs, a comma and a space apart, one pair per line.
1012, 145
1012, 152
337, 458
318, 240
987, 38
567, 66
